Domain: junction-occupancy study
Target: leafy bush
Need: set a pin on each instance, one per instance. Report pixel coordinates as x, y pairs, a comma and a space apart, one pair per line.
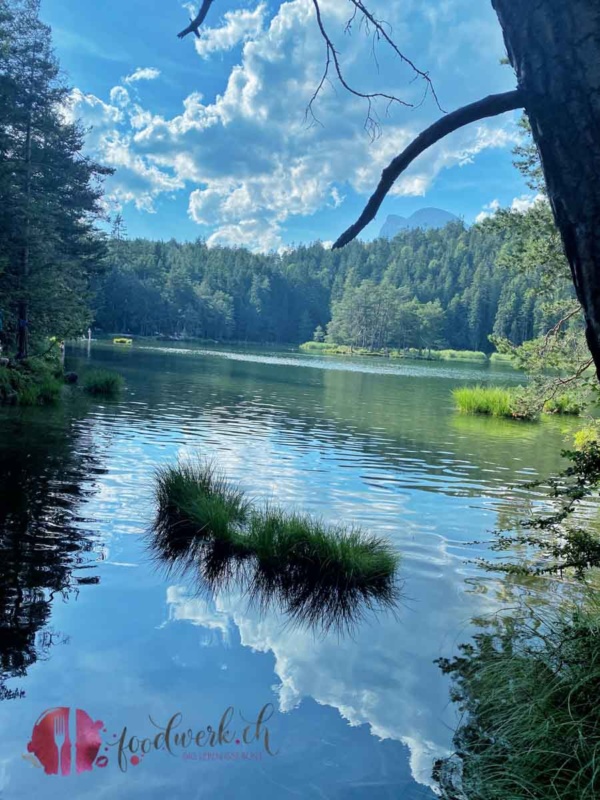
563, 404
34, 381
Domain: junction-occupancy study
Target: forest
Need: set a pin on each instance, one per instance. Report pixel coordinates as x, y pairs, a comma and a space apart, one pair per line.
449, 287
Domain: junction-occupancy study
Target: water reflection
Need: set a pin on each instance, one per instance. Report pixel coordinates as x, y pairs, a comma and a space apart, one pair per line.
44, 556
305, 596
361, 716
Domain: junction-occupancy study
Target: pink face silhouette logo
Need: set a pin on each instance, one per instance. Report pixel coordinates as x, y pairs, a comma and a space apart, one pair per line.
67, 740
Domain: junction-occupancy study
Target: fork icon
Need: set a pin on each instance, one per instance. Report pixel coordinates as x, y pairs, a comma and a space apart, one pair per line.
60, 736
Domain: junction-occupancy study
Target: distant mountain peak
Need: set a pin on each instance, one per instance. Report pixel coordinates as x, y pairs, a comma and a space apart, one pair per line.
423, 218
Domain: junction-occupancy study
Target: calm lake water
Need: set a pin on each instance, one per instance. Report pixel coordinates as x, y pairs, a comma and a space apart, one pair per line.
90, 620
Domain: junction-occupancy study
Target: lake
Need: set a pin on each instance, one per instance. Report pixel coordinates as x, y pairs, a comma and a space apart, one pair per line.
91, 620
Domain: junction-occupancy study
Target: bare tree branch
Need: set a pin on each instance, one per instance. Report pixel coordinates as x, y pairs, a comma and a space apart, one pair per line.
488, 107
332, 59
381, 31
194, 26
557, 329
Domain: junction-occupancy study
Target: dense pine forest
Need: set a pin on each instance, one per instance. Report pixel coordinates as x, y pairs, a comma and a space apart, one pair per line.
436, 288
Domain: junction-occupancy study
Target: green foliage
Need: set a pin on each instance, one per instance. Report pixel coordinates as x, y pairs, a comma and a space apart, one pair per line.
555, 353
566, 537
328, 349
316, 571
49, 193
567, 404
451, 291
102, 382
493, 401
319, 334
459, 355
31, 382
528, 689
372, 316
587, 436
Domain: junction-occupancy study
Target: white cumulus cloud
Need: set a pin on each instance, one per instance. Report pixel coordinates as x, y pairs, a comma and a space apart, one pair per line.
520, 204
247, 157
240, 26
142, 74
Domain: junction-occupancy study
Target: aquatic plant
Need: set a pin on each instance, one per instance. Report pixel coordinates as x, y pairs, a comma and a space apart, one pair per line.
502, 358
102, 382
528, 686
493, 401
316, 574
460, 355
425, 354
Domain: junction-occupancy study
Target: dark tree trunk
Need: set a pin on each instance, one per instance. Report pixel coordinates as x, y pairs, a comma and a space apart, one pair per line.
554, 47
23, 309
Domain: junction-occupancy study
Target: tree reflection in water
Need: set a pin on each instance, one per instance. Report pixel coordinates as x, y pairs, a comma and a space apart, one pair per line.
45, 464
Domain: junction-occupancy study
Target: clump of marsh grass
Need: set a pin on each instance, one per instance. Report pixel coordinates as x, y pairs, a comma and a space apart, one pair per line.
316, 574
528, 687
196, 504
493, 401
101, 382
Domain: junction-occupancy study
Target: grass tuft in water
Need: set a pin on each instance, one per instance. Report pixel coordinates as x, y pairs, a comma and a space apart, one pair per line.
315, 573
102, 382
493, 401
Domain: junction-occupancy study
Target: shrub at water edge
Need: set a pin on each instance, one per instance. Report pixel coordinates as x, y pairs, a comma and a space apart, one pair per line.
33, 381
528, 689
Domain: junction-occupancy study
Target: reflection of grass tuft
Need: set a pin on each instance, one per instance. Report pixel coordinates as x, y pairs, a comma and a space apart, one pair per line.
315, 572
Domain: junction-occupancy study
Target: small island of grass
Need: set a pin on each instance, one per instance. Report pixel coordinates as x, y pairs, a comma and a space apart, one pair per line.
316, 571
101, 382
510, 403
411, 353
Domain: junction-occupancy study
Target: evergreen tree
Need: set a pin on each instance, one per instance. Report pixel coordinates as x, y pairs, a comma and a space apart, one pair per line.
49, 192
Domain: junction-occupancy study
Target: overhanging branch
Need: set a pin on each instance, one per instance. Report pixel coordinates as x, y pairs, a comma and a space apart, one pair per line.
488, 107
194, 26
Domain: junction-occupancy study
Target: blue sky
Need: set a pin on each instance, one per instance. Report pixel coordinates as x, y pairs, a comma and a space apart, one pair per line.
209, 137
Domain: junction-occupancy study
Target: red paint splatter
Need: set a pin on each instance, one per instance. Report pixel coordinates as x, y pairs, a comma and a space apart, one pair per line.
135, 760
